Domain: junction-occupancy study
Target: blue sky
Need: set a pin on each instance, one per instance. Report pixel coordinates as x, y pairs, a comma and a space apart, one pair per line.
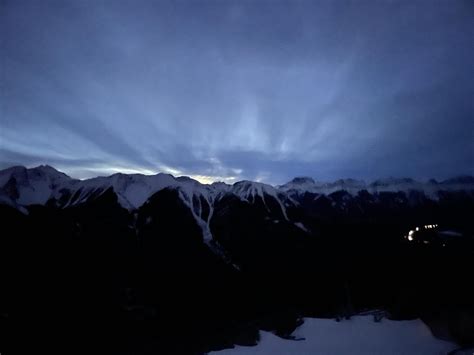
231, 90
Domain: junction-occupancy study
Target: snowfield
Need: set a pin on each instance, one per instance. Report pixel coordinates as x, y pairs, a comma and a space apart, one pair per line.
359, 335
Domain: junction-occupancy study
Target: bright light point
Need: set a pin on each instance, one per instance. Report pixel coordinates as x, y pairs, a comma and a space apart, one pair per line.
410, 238
410, 233
417, 229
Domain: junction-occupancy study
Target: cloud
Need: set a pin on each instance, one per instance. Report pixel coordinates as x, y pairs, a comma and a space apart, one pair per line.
239, 90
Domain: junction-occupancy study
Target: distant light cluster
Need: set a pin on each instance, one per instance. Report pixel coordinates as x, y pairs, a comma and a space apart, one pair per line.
417, 229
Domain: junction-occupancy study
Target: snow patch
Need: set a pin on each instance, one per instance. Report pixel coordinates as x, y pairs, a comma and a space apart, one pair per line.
359, 335
302, 227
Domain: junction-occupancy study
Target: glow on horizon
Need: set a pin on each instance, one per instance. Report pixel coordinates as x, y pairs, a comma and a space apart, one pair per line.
207, 180
97, 171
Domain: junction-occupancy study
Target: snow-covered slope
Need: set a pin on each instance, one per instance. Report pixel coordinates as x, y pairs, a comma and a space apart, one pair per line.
132, 190
249, 191
33, 186
359, 335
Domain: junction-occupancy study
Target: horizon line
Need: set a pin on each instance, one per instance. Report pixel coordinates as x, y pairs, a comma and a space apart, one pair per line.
209, 180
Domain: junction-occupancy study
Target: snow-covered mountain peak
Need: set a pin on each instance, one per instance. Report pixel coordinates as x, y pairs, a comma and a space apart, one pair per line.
304, 185
299, 184
220, 186
187, 179
48, 170
246, 189
32, 186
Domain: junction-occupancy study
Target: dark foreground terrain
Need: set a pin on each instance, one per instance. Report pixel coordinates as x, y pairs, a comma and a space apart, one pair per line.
74, 274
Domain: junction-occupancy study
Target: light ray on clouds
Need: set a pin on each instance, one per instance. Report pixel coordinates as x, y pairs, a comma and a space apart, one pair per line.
231, 90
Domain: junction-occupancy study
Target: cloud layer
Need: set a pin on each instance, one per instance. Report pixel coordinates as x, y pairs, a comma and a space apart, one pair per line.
263, 90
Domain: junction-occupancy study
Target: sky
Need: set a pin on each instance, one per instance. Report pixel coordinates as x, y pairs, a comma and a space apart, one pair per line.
232, 90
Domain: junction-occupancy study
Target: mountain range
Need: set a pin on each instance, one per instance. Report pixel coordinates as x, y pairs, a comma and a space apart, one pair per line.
44, 184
